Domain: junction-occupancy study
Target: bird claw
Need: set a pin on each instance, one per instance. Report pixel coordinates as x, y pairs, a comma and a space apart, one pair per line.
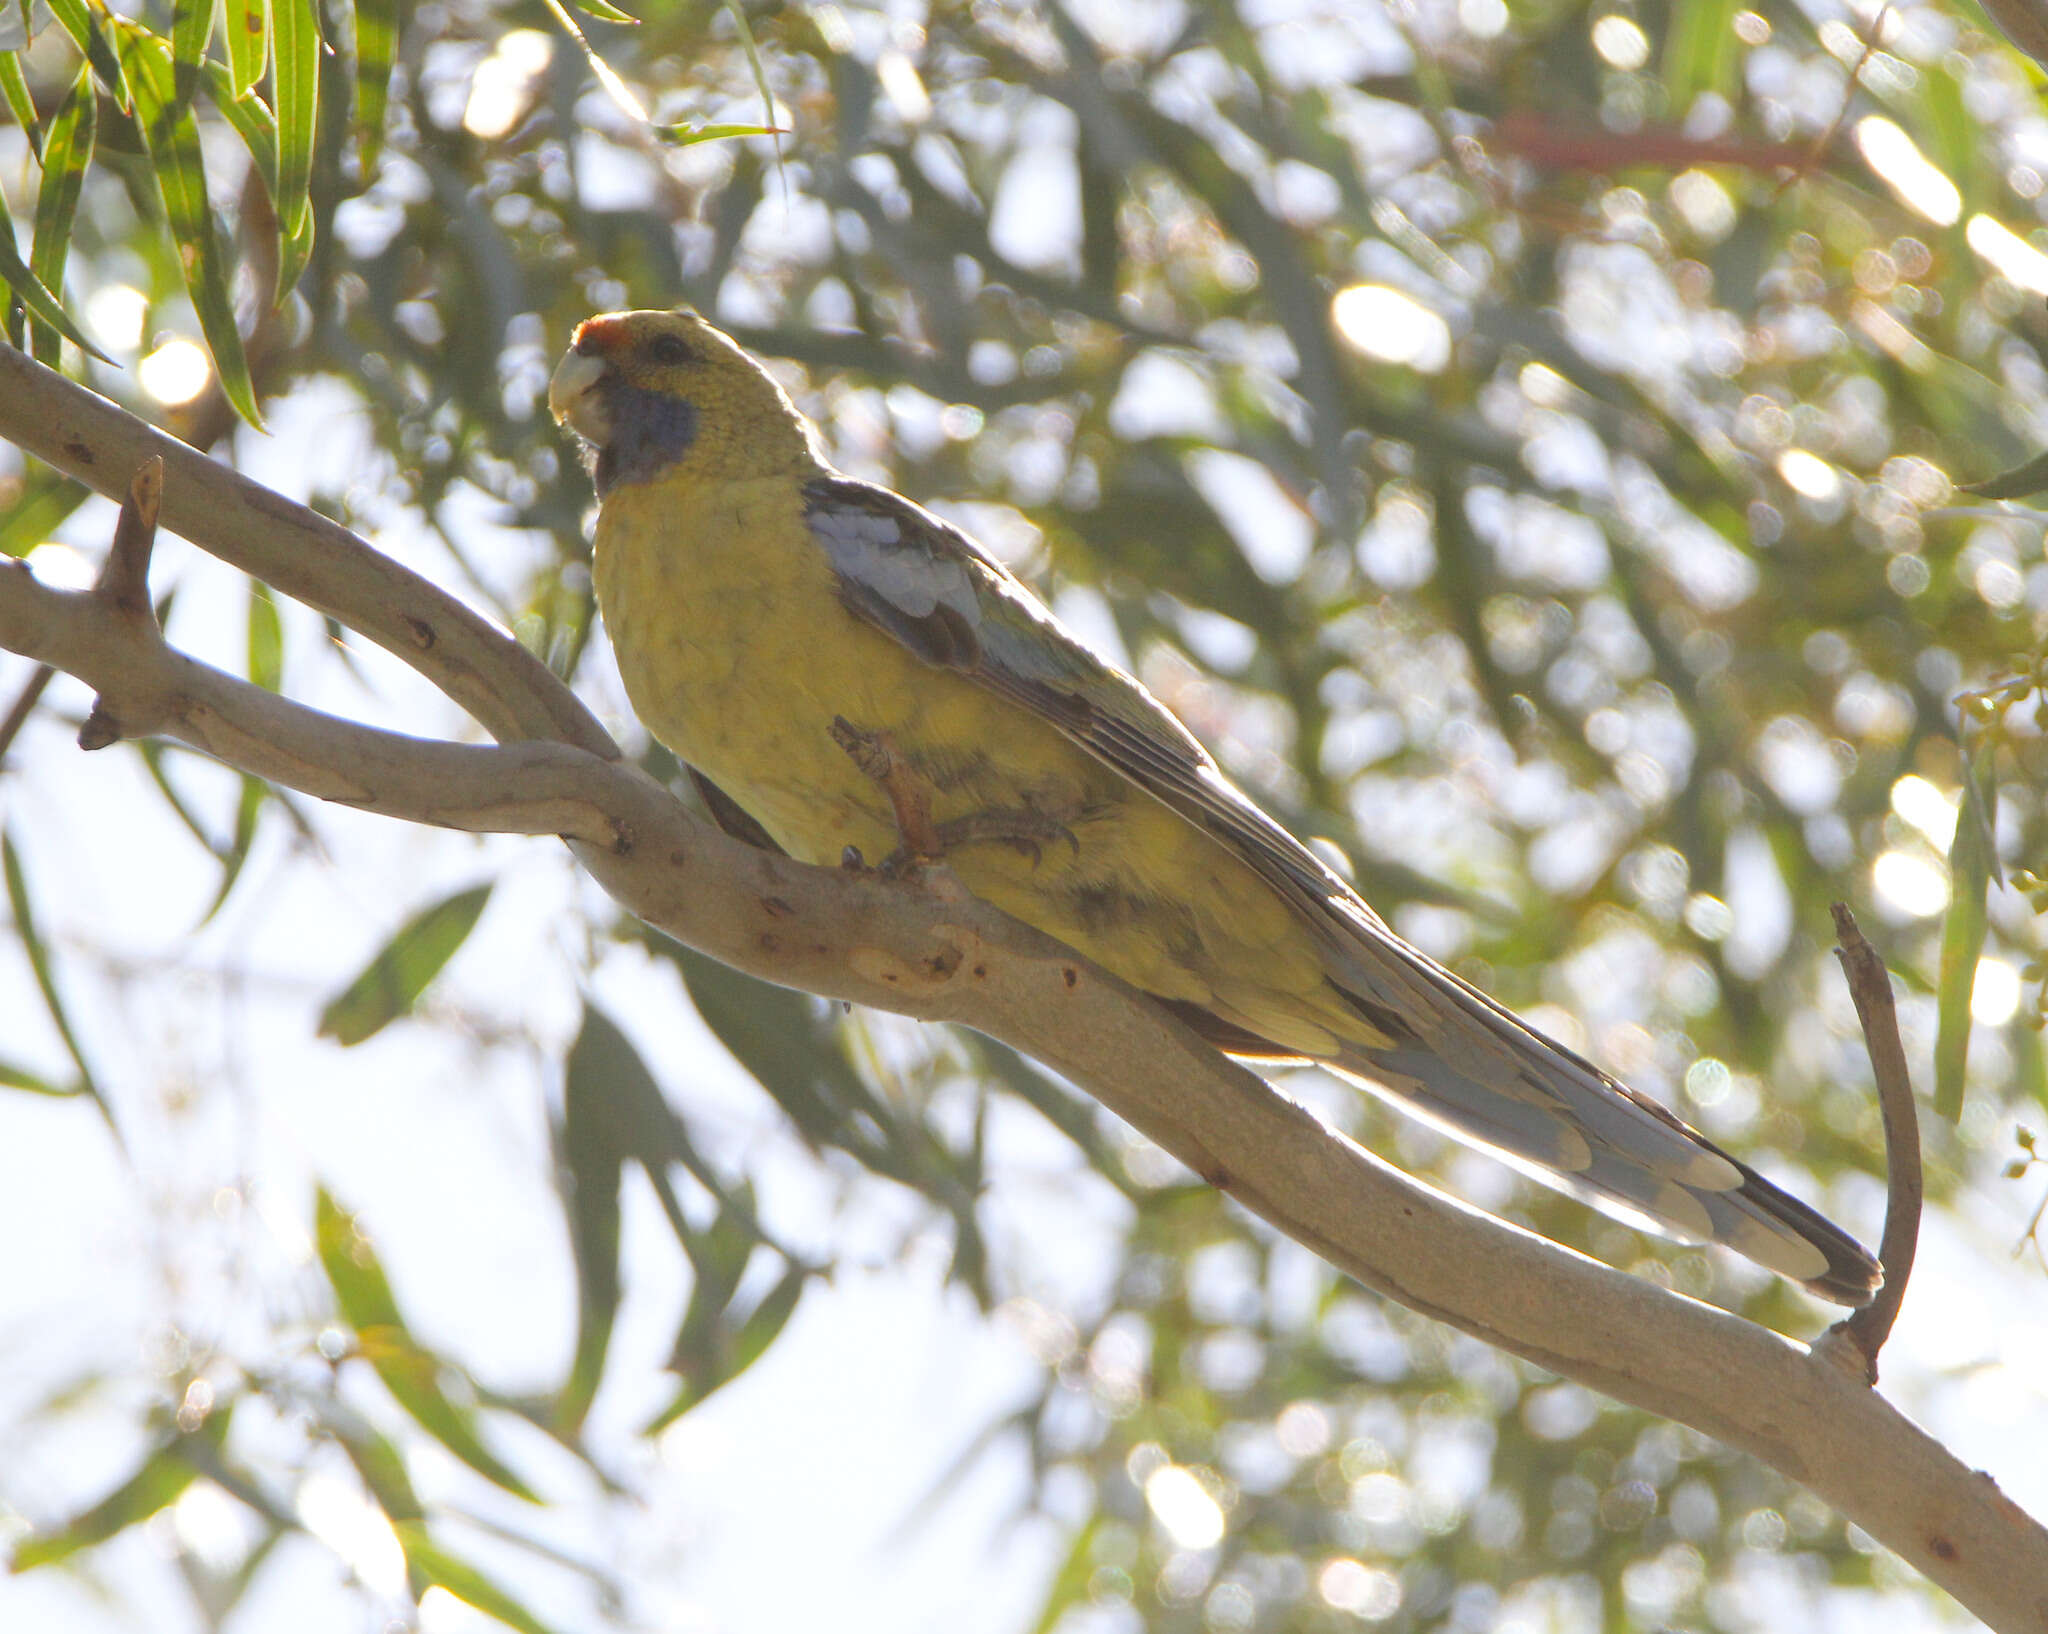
1023, 829
900, 864
924, 841
904, 864
877, 757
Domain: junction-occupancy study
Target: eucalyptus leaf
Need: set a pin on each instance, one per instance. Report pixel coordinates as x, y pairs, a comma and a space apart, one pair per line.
392, 982
170, 132
67, 151
408, 1369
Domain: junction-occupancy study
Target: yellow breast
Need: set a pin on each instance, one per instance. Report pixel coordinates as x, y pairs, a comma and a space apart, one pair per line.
735, 652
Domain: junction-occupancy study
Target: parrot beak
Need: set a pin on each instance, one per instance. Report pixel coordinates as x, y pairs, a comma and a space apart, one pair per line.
573, 400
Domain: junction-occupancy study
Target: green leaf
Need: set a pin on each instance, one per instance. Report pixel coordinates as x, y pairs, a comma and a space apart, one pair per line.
1971, 864
38, 952
67, 150
47, 497
1069, 1585
248, 35
2030, 478
152, 751
83, 27
607, 14
765, 1323
613, 1112
382, 1467
1952, 135
252, 121
1699, 52
442, 1570
248, 810
191, 34
391, 983
233, 853
410, 1371
14, 85
34, 297
17, 1077
600, 1081
2030, 1063
297, 84
171, 134
266, 638
779, 1037
376, 51
755, 65
713, 1348
718, 1259
683, 136
159, 1481
648, 1130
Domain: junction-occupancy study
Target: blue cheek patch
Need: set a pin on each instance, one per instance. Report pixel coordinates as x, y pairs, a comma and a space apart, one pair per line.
651, 430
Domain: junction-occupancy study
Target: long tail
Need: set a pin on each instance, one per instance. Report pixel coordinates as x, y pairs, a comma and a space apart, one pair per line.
1459, 1061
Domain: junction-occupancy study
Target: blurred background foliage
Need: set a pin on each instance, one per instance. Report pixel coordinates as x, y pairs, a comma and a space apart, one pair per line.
1522, 439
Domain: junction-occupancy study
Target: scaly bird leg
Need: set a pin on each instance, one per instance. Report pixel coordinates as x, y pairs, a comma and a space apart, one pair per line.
1023, 829
878, 758
924, 841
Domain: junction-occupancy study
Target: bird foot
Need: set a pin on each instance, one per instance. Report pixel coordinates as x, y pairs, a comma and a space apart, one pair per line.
925, 841
1023, 829
878, 758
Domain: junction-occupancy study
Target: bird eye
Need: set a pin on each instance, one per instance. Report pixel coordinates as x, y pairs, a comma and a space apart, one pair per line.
669, 349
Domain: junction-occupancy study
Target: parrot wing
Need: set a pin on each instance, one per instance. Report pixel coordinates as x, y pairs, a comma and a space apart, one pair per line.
1430, 1042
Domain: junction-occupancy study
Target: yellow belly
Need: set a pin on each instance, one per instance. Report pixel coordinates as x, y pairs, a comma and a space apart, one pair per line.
737, 653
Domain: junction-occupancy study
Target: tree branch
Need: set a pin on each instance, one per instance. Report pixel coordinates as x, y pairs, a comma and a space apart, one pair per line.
24, 705
148, 690
932, 952
298, 551
1871, 989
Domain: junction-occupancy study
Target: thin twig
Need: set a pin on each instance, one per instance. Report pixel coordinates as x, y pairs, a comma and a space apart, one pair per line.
1871, 988
123, 583
1825, 140
24, 706
124, 576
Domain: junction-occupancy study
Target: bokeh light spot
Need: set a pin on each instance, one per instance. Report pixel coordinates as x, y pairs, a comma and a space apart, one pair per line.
1362, 1590
1181, 1504
1911, 885
503, 91
1621, 41
1394, 327
175, 373
1926, 808
1809, 474
1907, 171
2015, 259
1995, 995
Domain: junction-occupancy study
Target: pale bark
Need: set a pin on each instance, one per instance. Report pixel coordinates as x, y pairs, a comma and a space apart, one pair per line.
929, 951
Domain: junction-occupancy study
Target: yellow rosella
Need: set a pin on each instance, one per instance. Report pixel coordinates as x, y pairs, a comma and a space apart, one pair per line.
862, 677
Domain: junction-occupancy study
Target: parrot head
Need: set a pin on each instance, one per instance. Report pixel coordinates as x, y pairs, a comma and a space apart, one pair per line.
652, 392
